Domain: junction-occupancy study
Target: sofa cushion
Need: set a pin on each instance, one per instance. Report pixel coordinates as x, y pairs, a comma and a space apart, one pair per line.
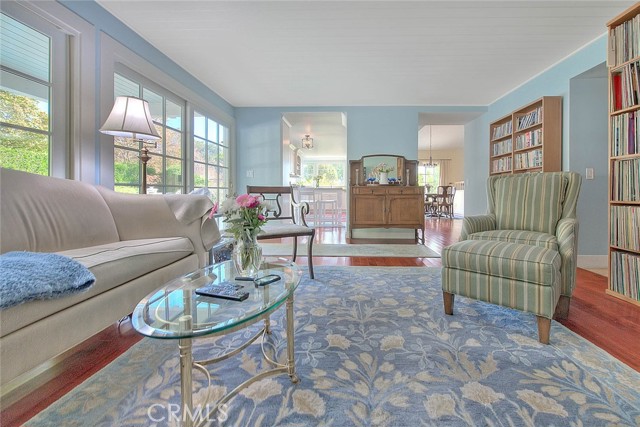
35, 212
525, 263
113, 264
529, 202
534, 238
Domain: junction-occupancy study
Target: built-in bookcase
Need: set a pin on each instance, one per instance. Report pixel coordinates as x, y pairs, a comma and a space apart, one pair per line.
623, 60
529, 139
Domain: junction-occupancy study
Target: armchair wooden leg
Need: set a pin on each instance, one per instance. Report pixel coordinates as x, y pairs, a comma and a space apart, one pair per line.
544, 328
310, 254
448, 302
562, 309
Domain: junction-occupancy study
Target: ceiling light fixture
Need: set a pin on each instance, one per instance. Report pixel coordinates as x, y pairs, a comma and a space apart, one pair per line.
430, 164
307, 142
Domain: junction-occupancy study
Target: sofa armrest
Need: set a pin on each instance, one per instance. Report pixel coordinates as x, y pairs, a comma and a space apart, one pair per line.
476, 224
176, 215
567, 235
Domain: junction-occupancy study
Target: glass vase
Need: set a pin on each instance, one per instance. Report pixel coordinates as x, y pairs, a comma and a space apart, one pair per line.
384, 178
247, 257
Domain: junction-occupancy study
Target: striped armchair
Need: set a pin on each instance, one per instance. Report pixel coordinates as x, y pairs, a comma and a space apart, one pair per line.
523, 253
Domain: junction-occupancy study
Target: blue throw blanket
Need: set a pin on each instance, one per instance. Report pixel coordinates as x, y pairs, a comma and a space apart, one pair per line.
25, 276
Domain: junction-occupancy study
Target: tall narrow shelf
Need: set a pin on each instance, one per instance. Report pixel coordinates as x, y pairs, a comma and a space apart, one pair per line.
623, 60
528, 140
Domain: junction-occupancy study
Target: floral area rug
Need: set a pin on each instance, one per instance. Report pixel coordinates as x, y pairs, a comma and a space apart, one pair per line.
364, 249
374, 348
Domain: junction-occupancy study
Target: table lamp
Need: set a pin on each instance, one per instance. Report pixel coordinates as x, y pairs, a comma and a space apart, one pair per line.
131, 118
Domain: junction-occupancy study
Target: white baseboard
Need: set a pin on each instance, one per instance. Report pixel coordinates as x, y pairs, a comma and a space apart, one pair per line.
593, 261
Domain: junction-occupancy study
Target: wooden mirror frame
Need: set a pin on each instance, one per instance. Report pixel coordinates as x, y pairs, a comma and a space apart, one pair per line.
358, 174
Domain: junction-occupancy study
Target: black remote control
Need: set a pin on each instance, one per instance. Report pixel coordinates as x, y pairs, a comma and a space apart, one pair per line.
225, 290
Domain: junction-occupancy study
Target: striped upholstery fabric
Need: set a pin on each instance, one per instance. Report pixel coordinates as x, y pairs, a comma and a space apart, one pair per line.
526, 263
534, 238
523, 277
568, 239
523, 253
529, 201
476, 224
539, 300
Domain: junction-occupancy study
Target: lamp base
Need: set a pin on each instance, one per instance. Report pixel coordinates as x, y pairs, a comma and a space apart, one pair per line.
144, 158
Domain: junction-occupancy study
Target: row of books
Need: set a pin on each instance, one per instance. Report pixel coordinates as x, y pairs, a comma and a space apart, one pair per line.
502, 130
625, 274
530, 119
625, 134
502, 165
625, 175
625, 90
530, 159
502, 147
624, 42
625, 223
529, 139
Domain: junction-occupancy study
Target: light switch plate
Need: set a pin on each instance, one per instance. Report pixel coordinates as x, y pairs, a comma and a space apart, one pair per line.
589, 173
250, 173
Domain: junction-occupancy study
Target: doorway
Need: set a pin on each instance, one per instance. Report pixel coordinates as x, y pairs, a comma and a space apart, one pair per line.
314, 158
441, 160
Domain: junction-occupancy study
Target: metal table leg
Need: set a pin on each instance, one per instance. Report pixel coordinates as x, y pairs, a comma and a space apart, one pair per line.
290, 347
186, 384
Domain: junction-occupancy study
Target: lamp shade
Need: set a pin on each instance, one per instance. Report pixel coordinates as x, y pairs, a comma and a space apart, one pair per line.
130, 117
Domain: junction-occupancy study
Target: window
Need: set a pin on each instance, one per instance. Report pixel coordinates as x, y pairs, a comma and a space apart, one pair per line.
165, 170
31, 53
211, 160
429, 176
327, 173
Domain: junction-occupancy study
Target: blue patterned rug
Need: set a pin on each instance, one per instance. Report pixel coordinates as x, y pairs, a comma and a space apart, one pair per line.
374, 348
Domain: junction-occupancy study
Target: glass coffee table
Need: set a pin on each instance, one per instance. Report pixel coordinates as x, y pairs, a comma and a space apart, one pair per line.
175, 311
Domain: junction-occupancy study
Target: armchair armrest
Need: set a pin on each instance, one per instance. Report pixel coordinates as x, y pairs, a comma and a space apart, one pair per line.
476, 224
567, 235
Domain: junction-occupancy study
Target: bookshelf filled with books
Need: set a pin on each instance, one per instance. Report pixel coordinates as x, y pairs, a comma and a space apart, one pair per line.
529, 139
623, 60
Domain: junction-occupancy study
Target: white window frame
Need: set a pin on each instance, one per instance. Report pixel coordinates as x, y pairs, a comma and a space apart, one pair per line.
113, 55
59, 71
145, 83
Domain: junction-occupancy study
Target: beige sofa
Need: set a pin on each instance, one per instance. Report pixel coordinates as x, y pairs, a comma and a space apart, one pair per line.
131, 243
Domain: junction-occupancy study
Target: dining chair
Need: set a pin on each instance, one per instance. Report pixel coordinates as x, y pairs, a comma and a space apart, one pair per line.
445, 206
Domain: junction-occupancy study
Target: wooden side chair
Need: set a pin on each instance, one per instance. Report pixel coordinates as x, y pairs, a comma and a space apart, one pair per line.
280, 225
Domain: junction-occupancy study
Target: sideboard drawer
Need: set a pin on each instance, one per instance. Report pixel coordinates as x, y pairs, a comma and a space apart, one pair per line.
372, 189
399, 189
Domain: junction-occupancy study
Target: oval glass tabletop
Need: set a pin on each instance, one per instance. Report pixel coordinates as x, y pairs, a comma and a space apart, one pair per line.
176, 311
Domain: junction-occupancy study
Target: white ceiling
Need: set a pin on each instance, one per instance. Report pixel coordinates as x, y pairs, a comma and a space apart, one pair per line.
447, 137
320, 53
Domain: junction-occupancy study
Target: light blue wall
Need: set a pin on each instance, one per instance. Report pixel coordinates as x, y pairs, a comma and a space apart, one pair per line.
553, 82
588, 129
370, 130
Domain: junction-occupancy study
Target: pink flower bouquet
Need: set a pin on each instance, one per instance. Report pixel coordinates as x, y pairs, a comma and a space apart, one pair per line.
243, 215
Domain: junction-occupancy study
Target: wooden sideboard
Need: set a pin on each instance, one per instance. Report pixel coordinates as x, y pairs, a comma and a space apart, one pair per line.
386, 206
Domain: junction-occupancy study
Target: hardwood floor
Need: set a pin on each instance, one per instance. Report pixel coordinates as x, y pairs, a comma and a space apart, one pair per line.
608, 322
